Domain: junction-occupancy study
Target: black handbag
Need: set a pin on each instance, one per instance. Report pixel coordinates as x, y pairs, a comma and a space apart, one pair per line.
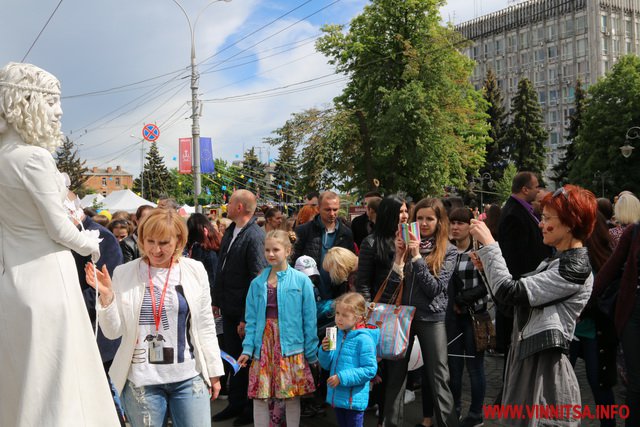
484, 333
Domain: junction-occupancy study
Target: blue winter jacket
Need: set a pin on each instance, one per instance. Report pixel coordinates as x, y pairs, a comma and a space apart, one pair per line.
354, 361
296, 315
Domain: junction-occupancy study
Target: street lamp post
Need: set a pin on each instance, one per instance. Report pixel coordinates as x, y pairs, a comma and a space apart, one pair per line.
195, 106
632, 133
482, 178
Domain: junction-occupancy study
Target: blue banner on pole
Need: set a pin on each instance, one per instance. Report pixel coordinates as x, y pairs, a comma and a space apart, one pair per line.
206, 156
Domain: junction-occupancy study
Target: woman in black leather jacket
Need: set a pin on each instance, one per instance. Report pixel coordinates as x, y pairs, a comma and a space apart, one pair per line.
547, 304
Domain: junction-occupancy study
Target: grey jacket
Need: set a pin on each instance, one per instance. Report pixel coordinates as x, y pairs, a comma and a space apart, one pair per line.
426, 292
548, 300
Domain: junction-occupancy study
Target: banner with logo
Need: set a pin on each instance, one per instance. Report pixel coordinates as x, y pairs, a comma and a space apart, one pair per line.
184, 165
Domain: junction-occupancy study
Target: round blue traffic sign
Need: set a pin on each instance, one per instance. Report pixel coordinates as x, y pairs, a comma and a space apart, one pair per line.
150, 132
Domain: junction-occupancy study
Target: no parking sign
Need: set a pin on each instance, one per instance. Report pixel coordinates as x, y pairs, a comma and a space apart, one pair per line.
150, 132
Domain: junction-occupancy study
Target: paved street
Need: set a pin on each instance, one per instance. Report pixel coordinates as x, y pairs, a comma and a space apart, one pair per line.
493, 370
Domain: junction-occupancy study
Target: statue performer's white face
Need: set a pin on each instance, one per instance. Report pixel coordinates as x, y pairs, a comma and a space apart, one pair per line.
30, 104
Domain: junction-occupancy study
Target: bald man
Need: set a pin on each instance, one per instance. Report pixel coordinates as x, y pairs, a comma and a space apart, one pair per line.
241, 259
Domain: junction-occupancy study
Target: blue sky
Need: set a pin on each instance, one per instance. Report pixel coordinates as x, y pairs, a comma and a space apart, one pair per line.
136, 54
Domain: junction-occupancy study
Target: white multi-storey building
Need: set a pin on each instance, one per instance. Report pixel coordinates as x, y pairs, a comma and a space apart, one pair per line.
552, 43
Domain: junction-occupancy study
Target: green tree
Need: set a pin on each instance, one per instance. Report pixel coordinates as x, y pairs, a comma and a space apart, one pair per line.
503, 185
182, 191
566, 163
408, 115
525, 134
496, 158
253, 176
612, 108
158, 181
286, 169
68, 161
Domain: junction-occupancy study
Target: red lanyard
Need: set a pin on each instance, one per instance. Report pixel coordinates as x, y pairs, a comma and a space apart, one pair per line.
157, 316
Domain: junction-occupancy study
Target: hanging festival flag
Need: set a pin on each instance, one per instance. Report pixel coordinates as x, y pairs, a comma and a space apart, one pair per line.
184, 145
206, 156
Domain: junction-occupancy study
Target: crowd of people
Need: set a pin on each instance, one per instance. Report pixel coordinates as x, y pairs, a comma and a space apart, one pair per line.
170, 298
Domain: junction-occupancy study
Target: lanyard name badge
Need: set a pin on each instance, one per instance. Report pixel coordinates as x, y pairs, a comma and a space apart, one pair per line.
156, 348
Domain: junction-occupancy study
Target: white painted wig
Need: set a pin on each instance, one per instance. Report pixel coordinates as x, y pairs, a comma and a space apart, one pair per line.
24, 89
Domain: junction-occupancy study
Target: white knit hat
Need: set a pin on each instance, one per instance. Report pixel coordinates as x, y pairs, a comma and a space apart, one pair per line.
307, 265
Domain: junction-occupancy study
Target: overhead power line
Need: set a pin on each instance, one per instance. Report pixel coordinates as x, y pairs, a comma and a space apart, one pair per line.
41, 31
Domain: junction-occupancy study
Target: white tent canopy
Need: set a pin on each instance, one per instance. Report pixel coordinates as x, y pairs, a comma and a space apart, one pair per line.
188, 210
88, 200
124, 200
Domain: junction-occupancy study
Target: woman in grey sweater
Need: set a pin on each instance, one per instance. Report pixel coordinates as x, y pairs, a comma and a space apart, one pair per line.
547, 304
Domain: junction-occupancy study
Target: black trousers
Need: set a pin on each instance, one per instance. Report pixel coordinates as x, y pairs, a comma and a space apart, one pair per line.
239, 383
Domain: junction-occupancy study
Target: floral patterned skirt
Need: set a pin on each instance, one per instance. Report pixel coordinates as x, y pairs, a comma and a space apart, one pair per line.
275, 376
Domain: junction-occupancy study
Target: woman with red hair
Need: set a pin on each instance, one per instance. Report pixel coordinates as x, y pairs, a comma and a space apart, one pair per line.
547, 303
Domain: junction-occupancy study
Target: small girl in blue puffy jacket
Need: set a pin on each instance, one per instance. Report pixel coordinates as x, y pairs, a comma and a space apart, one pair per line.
353, 363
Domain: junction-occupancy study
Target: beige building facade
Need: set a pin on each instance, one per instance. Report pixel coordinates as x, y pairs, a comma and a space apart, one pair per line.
104, 181
552, 43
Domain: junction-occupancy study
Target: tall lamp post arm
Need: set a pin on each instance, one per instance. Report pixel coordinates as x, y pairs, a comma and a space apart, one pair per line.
195, 114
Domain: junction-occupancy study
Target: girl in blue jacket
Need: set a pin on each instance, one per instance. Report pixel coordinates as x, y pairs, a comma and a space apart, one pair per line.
353, 363
280, 334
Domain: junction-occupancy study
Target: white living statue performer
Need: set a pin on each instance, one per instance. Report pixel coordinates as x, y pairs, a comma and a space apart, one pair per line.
50, 369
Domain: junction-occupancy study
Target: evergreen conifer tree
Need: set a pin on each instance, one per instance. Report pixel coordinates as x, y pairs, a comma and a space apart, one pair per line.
525, 134
562, 169
286, 171
158, 181
496, 157
67, 161
253, 173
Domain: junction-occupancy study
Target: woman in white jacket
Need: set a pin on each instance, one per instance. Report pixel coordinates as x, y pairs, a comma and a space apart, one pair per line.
161, 306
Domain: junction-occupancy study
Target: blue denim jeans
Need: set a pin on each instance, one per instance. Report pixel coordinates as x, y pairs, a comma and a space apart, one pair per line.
465, 346
188, 401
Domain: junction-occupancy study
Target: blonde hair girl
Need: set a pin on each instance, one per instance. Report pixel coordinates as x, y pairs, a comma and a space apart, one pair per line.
281, 333
340, 263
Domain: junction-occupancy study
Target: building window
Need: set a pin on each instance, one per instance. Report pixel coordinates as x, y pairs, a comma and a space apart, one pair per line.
524, 40
118, 181
553, 96
581, 24
567, 50
567, 28
552, 51
542, 97
581, 47
524, 58
553, 137
604, 45
551, 32
512, 43
583, 67
628, 27
615, 25
474, 52
104, 181
540, 55
567, 70
553, 75
553, 116
498, 44
628, 47
539, 77
616, 46
604, 23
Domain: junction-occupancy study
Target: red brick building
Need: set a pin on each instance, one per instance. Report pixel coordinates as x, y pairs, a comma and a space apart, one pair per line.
104, 181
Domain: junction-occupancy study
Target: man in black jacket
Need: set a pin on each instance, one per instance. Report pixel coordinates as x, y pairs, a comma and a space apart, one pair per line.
521, 244
316, 237
241, 259
361, 225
